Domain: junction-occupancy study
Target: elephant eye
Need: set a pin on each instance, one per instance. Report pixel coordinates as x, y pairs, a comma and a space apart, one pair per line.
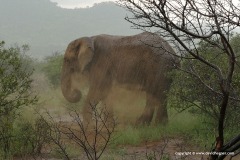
76, 49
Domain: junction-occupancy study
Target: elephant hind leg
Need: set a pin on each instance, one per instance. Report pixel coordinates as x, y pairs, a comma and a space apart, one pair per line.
162, 115
147, 114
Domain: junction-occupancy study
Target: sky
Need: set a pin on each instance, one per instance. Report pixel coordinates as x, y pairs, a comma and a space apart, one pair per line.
78, 3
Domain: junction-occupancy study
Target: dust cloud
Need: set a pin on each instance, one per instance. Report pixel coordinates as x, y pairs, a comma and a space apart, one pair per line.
127, 105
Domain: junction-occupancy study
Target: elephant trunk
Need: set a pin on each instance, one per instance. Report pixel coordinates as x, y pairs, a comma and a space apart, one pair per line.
71, 94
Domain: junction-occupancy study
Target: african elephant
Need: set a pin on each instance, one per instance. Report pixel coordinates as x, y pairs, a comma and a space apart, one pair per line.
135, 62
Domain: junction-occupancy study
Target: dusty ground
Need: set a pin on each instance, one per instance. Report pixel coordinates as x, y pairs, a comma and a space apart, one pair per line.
171, 148
168, 149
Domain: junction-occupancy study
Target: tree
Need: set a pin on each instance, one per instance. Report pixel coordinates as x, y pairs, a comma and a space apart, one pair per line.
186, 23
188, 92
52, 68
15, 91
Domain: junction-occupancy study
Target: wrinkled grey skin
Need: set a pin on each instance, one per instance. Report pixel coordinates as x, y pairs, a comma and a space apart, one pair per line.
136, 62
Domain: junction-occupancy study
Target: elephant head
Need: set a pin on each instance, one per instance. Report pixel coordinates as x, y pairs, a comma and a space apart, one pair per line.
76, 59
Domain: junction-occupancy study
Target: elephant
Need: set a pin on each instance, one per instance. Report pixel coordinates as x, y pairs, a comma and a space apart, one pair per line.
138, 62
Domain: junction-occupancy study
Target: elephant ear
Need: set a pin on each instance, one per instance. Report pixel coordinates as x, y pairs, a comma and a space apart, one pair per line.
86, 52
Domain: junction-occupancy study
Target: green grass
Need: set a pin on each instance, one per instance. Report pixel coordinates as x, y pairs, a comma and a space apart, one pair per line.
195, 130
184, 125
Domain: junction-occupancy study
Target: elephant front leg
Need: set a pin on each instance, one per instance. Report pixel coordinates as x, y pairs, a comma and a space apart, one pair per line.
90, 104
87, 112
93, 109
147, 114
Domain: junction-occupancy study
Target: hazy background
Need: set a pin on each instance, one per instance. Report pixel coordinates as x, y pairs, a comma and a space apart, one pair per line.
78, 3
48, 28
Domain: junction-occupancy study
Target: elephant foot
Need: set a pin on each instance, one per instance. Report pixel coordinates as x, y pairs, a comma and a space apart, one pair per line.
143, 121
162, 120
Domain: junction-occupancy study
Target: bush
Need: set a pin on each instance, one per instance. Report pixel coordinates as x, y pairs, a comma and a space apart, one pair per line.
15, 92
52, 68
